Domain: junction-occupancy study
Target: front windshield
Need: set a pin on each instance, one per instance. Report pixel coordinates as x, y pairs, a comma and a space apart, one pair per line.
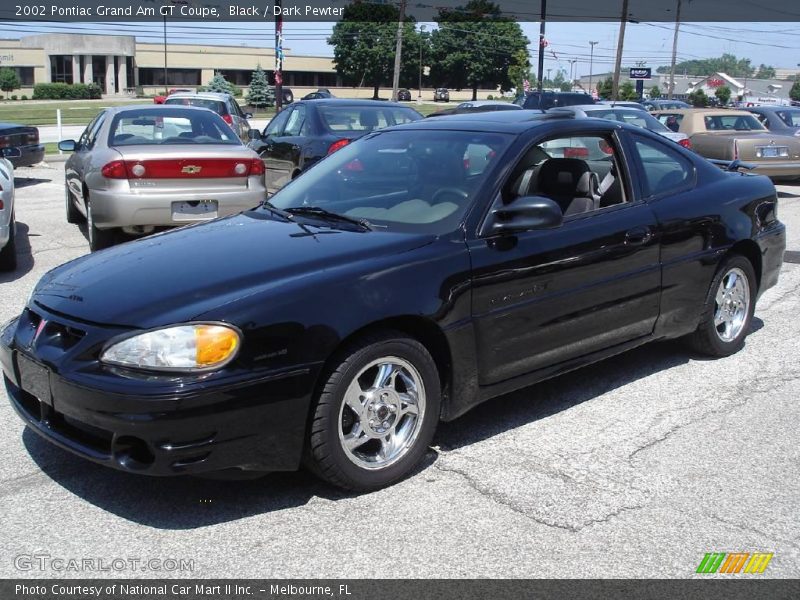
402, 180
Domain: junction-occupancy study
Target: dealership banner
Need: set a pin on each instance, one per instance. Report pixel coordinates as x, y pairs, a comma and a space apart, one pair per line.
396, 589
333, 10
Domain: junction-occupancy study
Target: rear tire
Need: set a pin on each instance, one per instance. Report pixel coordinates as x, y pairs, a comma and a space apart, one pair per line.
8, 254
376, 414
99, 239
728, 309
74, 216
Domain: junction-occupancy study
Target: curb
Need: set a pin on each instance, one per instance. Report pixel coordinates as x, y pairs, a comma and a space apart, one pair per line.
56, 158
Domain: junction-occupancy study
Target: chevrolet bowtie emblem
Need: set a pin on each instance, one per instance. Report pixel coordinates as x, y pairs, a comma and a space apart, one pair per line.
191, 169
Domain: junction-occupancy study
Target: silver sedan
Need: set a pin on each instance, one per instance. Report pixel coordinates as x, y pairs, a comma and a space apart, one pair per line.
136, 168
8, 227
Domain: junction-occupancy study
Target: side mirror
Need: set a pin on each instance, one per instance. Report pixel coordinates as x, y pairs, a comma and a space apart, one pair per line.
248, 115
10, 152
67, 145
254, 134
524, 214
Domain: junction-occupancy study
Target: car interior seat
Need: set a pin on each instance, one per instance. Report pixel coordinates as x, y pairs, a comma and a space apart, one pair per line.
570, 183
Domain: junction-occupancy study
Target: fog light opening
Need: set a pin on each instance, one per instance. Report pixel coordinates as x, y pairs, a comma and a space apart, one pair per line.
132, 453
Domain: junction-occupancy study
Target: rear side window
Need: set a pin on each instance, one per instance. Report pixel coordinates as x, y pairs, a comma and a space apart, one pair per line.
357, 118
732, 123
665, 170
790, 117
216, 105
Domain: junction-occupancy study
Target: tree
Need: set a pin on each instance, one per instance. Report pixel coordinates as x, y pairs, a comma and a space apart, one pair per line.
765, 72
364, 45
560, 82
727, 63
655, 92
521, 70
627, 91
475, 45
794, 93
723, 93
605, 88
9, 80
259, 87
219, 84
698, 99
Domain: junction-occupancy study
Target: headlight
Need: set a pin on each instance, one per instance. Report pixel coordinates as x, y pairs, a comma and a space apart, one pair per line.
190, 348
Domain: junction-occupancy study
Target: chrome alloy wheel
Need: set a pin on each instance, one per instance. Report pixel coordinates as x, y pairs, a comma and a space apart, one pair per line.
732, 304
382, 413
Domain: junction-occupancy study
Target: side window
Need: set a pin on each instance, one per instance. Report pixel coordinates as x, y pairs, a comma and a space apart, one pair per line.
275, 126
296, 120
581, 174
83, 141
92, 131
665, 170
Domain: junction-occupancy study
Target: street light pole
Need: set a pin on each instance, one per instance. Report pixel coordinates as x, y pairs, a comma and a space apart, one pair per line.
591, 63
542, 42
166, 86
620, 46
674, 53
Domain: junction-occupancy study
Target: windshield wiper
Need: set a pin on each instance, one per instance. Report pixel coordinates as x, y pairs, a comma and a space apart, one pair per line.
317, 211
277, 211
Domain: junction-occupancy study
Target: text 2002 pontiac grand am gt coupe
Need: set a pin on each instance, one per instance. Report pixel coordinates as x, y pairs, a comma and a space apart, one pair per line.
404, 279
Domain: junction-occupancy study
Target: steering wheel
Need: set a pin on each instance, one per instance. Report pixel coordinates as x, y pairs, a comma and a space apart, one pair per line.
448, 190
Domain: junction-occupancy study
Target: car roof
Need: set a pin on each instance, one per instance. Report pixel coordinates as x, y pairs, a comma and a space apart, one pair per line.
210, 95
585, 107
349, 102
487, 103
770, 108
704, 111
113, 110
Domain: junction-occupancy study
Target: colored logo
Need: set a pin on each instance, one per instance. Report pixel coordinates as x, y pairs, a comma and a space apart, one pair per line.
191, 169
734, 562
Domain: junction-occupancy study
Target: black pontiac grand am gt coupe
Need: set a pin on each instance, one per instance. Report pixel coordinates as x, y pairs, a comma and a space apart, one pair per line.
404, 279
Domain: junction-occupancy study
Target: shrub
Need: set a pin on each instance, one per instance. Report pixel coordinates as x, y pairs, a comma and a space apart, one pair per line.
490, 97
24, 97
65, 91
14, 97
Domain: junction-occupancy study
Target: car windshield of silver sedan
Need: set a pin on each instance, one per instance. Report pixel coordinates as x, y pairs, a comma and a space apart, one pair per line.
149, 127
413, 181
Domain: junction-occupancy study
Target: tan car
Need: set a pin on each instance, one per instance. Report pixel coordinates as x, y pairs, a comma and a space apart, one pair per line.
736, 134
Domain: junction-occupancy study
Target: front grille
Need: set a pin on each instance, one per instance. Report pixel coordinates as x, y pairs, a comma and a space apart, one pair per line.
54, 333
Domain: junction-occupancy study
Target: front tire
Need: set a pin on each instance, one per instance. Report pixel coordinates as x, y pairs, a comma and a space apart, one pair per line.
8, 254
376, 414
99, 239
74, 216
728, 309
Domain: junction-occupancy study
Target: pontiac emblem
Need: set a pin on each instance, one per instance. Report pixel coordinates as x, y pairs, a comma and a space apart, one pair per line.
39, 328
191, 169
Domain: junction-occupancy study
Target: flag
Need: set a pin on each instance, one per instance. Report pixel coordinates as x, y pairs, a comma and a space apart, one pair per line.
526, 86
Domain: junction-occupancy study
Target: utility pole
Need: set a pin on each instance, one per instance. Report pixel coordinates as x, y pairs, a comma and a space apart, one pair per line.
620, 45
278, 56
572, 62
166, 85
542, 42
421, 43
591, 64
674, 52
398, 51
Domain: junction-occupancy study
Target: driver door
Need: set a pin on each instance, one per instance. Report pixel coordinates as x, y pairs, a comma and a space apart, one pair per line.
542, 298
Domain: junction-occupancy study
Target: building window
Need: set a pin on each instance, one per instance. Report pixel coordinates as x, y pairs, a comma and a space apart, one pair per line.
61, 69
177, 77
237, 76
327, 80
129, 71
300, 78
25, 75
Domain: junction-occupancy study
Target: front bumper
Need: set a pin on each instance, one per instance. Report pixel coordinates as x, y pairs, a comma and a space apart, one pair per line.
31, 155
115, 208
154, 425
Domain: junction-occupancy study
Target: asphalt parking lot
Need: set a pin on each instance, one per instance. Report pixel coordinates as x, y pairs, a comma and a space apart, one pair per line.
635, 467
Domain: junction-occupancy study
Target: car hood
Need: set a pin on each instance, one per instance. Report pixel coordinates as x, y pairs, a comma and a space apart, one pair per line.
182, 274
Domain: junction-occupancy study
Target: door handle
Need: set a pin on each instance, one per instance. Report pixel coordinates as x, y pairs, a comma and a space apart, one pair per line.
638, 236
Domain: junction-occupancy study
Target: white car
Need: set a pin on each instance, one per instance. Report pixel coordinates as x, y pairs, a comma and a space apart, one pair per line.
8, 227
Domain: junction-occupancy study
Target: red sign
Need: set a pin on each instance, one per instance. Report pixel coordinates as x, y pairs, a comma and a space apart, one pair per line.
715, 83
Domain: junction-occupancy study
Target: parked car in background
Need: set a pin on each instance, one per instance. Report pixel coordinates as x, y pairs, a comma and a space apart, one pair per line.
658, 104
624, 103
286, 93
624, 114
404, 95
441, 95
8, 224
389, 288
224, 105
784, 120
310, 130
136, 168
546, 100
723, 134
25, 139
476, 106
162, 98
318, 95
